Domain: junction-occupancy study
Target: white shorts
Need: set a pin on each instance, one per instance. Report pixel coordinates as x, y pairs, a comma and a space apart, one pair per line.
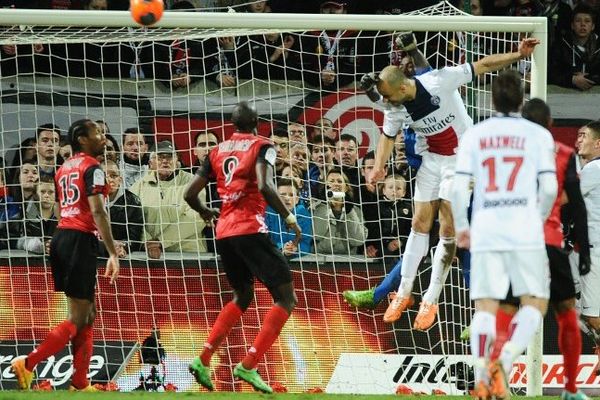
492, 272
434, 178
590, 287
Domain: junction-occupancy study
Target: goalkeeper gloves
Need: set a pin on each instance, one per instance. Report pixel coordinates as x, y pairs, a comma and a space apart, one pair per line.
406, 41
368, 83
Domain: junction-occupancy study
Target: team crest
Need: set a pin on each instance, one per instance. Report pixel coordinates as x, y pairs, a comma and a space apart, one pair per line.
435, 100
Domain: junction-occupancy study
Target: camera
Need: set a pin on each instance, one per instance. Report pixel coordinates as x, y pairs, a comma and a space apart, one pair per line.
336, 195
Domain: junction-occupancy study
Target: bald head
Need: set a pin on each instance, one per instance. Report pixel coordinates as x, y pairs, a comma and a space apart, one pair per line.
393, 76
244, 117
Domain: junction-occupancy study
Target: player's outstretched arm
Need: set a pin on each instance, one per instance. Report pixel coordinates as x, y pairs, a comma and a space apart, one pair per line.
265, 181
495, 62
385, 145
100, 216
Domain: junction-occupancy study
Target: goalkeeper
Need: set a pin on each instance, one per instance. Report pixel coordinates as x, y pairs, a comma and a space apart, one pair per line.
430, 104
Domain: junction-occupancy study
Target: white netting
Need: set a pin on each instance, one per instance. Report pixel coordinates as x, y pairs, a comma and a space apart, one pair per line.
171, 84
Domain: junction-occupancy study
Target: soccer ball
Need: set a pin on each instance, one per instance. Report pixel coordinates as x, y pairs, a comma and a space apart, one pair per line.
146, 12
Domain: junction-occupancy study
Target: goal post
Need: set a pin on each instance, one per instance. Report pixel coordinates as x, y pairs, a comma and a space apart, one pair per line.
182, 292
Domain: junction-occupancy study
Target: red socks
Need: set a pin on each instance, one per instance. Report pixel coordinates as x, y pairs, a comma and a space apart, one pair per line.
83, 345
569, 344
228, 317
274, 322
503, 320
56, 340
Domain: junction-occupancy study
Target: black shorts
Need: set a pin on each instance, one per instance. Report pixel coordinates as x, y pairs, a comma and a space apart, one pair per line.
248, 256
562, 286
73, 256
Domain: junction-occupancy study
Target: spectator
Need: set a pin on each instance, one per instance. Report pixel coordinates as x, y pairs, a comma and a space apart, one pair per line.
47, 149
338, 224
282, 144
321, 150
27, 150
125, 209
258, 7
575, 59
178, 63
295, 173
205, 142
21, 189
395, 213
297, 133
40, 218
65, 150
134, 164
112, 151
269, 56
324, 127
404, 161
346, 157
288, 191
330, 57
95, 5
220, 61
170, 224
369, 202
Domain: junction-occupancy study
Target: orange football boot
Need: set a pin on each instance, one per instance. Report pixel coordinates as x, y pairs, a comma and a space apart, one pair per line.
396, 307
426, 316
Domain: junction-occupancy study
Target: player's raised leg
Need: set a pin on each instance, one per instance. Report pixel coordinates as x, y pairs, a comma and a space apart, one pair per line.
440, 268
372, 297
416, 248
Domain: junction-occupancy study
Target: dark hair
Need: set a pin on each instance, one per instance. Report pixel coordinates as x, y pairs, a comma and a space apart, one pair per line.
346, 137
206, 132
369, 156
46, 179
594, 126
131, 131
183, 5
280, 132
47, 127
583, 8
103, 122
79, 128
536, 110
244, 117
287, 182
507, 91
320, 140
113, 140
13, 182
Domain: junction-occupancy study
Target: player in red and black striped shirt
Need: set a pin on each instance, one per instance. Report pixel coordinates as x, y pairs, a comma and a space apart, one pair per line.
82, 191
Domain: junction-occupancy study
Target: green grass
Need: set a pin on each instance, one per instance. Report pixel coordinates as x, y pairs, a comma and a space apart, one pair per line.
63, 395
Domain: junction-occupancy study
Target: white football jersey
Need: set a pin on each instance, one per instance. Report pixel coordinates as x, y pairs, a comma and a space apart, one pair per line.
590, 189
505, 155
437, 114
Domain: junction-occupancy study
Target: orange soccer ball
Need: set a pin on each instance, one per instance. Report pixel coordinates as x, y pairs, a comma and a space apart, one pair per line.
146, 12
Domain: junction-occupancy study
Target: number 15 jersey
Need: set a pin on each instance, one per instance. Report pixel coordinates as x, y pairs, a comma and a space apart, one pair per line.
79, 177
505, 155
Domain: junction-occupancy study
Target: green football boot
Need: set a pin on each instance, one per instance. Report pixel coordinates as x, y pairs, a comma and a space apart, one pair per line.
360, 298
252, 377
201, 374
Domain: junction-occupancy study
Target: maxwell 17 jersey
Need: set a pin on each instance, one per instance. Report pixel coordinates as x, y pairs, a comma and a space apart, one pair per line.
79, 177
505, 155
437, 113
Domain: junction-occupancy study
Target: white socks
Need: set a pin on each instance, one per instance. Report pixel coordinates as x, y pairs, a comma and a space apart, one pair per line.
527, 321
483, 334
416, 248
440, 268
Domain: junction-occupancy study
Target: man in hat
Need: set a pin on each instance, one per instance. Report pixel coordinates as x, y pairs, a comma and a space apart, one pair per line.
170, 224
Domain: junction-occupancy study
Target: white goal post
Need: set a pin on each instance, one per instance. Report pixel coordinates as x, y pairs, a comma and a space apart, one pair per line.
19, 27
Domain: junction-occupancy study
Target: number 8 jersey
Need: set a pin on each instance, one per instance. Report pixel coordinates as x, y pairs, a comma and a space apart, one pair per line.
79, 177
505, 155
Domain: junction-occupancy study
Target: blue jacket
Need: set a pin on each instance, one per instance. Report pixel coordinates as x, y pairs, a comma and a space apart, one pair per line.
280, 235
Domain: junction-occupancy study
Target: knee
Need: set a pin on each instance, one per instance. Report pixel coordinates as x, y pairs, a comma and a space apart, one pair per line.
564, 305
288, 301
92, 316
593, 322
244, 297
421, 225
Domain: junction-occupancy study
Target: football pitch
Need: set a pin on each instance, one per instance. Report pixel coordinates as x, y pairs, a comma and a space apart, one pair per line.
64, 395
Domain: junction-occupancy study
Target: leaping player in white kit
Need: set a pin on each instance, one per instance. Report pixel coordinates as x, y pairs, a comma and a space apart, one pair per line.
512, 163
431, 105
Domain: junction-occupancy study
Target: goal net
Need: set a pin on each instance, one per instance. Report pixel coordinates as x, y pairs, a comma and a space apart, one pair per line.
179, 82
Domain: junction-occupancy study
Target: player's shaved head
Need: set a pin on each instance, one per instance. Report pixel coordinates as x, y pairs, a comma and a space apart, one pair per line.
536, 110
244, 117
393, 76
